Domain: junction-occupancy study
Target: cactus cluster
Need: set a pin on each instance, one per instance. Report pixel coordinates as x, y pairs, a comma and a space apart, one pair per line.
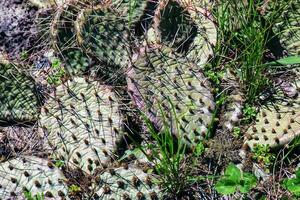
83, 123
83, 120
18, 96
275, 125
101, 36
169, 89
127, 183
31, 174
287, 28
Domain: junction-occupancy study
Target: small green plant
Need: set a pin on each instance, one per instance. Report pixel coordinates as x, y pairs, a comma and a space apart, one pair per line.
29, 196
24, 55
214, 76
59, 72
293, 184
234, 180
237, 131
262, 154
74, 189
59, 163
249, 113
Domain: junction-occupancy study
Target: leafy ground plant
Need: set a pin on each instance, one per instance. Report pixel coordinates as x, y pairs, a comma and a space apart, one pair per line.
262, 154
234, 180
293, 184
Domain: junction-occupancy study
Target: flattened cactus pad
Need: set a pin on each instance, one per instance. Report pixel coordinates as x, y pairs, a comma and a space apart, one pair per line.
83, 123
127, 183
275, 126
184, 26
33, 174
18, 98
159, 78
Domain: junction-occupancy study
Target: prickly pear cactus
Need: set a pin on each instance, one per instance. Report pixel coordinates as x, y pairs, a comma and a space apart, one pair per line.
185, 26
63, 37
159, 78
127, 183
275, 125
83, 123
288, 30
18, 96
134, 11
105, 35
31, 174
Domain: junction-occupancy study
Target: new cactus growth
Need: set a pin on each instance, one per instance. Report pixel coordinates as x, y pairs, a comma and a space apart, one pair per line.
83, 123
18, 98
31, 174
127, 183
184, 26
275, 126
162, 84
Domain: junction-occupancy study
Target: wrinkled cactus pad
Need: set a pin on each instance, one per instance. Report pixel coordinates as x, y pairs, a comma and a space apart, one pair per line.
83, 123
158, 79
31, 174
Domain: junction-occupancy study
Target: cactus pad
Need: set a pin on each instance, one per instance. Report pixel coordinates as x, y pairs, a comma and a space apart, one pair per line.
288, 28
18, 97
63, 38
83, 123
104, 34
31, 174
158, 79
275, 126
183, 26
127, 183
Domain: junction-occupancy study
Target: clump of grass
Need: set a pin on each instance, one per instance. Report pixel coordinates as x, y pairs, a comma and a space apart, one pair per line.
169, 156
243, 38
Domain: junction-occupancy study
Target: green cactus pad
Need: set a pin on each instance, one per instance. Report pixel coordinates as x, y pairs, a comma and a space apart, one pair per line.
104, 33
127, 183
275, 125
288, 28
159, 78
31, 174
83, 123
18, 97
186, 28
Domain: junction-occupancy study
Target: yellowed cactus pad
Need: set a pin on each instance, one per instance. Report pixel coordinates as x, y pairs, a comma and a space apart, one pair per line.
275, 126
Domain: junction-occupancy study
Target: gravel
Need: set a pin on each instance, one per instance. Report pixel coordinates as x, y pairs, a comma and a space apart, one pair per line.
17, 28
